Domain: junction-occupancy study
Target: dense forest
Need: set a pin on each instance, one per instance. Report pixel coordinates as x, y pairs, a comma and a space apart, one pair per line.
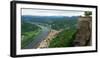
63, 39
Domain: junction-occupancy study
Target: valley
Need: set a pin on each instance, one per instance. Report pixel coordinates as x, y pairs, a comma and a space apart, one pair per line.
47, 31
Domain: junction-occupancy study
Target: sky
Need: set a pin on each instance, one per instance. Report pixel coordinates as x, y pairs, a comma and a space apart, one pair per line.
41, 12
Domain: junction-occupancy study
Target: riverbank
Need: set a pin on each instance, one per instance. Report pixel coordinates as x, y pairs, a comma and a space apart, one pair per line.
45, 43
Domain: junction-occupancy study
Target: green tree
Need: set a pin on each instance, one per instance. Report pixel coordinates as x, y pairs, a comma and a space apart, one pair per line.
88, 13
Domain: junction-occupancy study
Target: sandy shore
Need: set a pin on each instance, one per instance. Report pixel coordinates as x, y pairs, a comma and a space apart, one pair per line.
45, 43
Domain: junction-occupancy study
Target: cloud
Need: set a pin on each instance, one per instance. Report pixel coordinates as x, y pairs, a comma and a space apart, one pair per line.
41, 12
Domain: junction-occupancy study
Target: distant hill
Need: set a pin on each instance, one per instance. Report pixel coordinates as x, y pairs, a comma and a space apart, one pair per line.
56, 22
46, 18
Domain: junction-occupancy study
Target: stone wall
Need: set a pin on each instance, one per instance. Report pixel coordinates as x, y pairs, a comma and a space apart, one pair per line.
83, 34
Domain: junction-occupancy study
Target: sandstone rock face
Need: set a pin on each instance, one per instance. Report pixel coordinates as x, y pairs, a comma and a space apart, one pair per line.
83, 34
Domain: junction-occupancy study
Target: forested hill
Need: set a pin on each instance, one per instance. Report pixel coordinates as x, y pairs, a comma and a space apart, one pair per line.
75, 37
47, 18
55, 22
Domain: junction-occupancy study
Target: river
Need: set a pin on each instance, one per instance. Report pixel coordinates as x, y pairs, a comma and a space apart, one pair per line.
40, 37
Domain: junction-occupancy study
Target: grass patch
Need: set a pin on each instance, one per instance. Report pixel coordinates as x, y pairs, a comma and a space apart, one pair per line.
28, 32
28, 37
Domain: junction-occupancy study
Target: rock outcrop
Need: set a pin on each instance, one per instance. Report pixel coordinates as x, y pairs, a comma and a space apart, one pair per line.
83, 34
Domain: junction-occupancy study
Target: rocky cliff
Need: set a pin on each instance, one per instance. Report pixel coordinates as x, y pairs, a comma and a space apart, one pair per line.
83, 34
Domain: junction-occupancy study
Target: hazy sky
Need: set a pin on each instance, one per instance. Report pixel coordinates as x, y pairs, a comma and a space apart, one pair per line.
38, 12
